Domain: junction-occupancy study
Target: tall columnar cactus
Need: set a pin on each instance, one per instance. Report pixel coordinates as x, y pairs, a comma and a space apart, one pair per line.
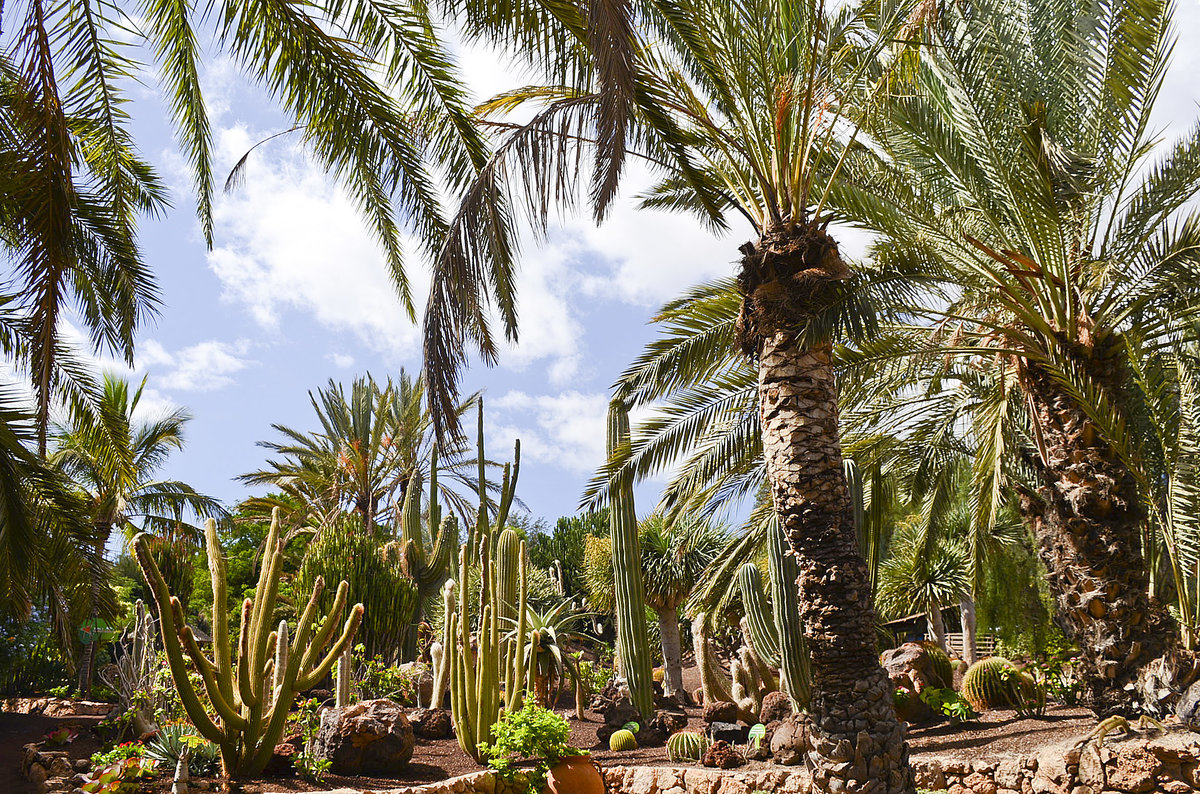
484, 527
712, 679
764, 635
249, 697
630, 600
440, 653
476, 673
427, 566
794, 677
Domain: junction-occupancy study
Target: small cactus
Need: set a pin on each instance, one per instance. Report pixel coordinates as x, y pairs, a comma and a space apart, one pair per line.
686, 746
992, 683
622, 741
659, 675
757, 732
631, 726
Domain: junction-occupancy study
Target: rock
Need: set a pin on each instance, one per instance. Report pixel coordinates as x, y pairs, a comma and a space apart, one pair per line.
1134, 772
910, 667
430, 723
776, 706
787, 742
650, 736
1187, 709
927, 773
1091, 768
282, 763
720, 711
668, 721
980, 784
721, 755
36, 774
82, 765
370, 737
614, 705
728, 732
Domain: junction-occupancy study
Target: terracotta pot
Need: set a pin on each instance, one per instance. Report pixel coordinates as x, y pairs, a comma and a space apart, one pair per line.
575, 775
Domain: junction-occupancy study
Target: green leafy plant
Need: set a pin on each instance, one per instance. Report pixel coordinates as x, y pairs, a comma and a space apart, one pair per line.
120, 776
118, 753
949, 703
374, 679
533, 734
306, 720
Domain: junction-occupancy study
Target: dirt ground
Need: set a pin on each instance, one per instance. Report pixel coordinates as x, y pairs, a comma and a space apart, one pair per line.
994, 733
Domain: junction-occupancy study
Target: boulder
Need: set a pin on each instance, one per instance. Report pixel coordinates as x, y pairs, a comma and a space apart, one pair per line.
722, 755
910, 667
614, 705
430, 723
668, 721
372, 737
1187, 709
775, 706
720, 711
787, 742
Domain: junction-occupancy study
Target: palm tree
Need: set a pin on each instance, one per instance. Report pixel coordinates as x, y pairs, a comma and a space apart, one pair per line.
111, 458
367, 86
1014, 167
741, 106
673, 559
372, 444
915, 576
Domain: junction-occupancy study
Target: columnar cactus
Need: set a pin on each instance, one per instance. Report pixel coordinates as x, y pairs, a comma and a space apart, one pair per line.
476, 673
712, 678
630, 601
761, 622
794, 678
686, 746
428, 567
441, 652
249, 697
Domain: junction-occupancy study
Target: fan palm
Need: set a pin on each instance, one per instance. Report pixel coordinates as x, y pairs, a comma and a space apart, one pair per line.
112, 459
741, 105
1015, 168
367, 85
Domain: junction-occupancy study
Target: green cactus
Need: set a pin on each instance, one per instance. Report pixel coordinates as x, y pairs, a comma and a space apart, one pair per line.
794, 677
438, 654
248, 694
764, 635
758, 732
941, 664
476, 699
712, 678
686, 746
427, 567
622, 741
992, 683
627, 573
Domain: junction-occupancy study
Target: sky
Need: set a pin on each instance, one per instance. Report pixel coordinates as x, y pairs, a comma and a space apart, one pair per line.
294, 293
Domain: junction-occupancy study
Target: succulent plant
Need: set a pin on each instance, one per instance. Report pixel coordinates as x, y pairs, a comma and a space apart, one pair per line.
992, 683
686, 746
622, 741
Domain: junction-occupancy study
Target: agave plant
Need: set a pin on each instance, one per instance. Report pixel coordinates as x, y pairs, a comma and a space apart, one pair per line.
546, 658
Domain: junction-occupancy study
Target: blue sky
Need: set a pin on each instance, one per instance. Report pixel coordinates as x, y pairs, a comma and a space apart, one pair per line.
294, 293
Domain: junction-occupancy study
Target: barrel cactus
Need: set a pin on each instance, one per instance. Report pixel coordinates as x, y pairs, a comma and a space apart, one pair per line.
622, 741
686, 746
941, 664
992, 683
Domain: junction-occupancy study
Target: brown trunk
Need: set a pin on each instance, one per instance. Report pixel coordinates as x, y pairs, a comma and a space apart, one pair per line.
852, 739
1087, 518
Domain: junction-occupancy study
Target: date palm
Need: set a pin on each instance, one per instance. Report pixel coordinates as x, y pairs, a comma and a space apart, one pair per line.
1016, 167
367, 86
742, 108
112, 459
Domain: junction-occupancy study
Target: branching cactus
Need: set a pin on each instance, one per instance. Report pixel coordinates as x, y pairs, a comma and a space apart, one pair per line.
427, 565
244, 703
136, 670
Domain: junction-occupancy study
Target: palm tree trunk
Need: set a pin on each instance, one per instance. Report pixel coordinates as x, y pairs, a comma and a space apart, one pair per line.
937, 625
853, 741
672, 648
970, 649
1087, 516
87, 658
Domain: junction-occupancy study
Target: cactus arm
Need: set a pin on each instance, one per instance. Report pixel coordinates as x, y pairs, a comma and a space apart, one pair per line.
220, 613
439, 560
266, 568
759, 618
517, 666
223, 707
264, 602
793, 648
508, 486
187, 693
321, 670
243, 663
281, 653
325, 633
304, 625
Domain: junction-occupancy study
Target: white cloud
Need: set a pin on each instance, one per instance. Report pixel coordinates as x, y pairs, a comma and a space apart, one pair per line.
340, 360
566, 429
206, 366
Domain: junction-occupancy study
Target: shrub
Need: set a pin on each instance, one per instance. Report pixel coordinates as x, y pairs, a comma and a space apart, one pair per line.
120, 776
533, 733
374, 678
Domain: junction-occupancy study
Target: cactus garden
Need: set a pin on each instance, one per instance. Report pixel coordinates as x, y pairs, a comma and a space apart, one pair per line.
630, 396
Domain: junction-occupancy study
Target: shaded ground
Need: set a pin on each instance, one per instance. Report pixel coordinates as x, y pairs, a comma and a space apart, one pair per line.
994, 733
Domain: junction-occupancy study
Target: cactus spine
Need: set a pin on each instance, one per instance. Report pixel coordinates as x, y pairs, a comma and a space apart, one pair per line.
342, 695
686, 746
622, 741
634, 646
250, 698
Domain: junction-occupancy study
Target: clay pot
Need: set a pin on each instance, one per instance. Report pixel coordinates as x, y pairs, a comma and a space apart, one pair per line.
575, 775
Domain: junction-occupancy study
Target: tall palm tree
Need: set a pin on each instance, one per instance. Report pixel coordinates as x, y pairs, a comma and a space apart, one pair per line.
742, 107
112, 459
1015, 167
674, 557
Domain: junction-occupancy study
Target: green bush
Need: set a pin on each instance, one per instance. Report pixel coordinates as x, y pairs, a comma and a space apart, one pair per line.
204, 757
374, 679
532, 734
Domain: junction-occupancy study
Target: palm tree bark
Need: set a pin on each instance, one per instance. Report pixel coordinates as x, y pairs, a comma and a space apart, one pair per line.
1087, 519
672, 648
937, 626
87, 657
852, 739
